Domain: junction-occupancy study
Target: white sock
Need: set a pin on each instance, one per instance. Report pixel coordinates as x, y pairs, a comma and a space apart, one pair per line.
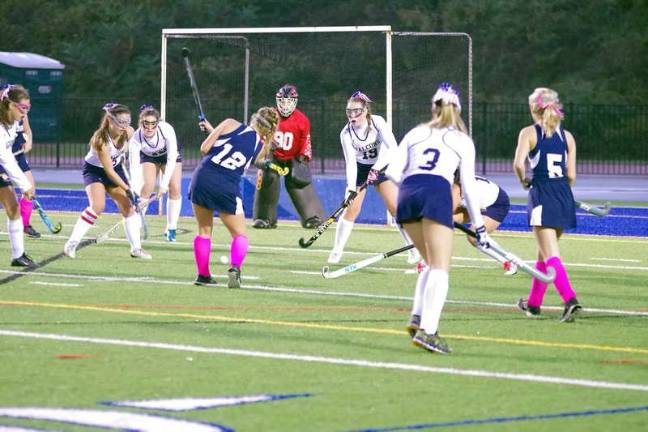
342, 234
419, 293
132, 230
436, 291
16, 237
86, 220
173, 208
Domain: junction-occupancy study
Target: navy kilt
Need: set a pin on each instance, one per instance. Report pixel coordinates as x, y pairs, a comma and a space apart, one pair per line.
551, 204
500, 208
363, 173
158, 160
95, 174
425, 196
215, 191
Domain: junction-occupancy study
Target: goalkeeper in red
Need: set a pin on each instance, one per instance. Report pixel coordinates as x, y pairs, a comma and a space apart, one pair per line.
291, 150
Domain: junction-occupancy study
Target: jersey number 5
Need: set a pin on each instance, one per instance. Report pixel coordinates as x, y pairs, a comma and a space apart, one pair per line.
430, 163
554, 165
233, 161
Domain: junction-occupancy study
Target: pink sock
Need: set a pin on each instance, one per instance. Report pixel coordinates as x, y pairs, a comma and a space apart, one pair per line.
562, 280
26, 207
238, 250
538, 288
202, 250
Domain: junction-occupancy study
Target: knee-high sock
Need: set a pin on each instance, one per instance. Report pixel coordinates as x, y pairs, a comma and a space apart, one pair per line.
238, 250
173, 208
86, 220
26, 207
202, 251
436, 291
538, 288
16, 237
419, 293
342, 234
562, 280
132, 230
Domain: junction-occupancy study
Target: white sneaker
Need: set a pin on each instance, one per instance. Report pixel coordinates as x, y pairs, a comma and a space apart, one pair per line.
140, 253
334, 257
70, 248
413, 256
510, 268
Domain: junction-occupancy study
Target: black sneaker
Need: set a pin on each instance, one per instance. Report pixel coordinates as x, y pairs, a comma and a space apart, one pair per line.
23, 261
31, 232
531, 311
431, 342
204, 281
263, 224
234, 275
312, 222
413, 325
572, 307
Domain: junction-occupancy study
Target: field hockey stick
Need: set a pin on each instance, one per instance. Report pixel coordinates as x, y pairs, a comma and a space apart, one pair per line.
54, 229
106, 234
597, 211
140, 208
362, 264
278, 169
327, 223
508, 256
192, 83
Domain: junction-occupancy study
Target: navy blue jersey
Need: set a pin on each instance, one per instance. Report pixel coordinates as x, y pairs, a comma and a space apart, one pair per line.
549, 157
232, 153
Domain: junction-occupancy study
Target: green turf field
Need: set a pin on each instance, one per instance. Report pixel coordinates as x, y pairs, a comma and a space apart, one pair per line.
103, 328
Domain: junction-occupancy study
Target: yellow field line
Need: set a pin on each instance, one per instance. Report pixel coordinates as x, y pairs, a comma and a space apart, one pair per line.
526, 342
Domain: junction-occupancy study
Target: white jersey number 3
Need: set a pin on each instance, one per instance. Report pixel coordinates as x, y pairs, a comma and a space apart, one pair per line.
232, 161
553, 165
284, 140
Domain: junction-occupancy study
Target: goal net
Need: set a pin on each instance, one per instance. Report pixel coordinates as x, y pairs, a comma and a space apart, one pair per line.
238, 70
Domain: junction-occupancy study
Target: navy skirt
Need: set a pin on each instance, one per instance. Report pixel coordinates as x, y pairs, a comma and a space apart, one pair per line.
551, 204
425, 196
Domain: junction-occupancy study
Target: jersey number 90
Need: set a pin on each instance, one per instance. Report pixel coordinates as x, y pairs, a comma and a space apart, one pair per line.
284, 140
229, 161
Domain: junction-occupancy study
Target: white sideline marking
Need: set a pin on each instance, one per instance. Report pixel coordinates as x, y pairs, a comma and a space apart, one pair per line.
313, 292
334, 361
61, 284
616, 259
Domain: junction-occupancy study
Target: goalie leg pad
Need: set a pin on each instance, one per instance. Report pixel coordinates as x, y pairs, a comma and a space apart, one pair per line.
266, 198
307, 203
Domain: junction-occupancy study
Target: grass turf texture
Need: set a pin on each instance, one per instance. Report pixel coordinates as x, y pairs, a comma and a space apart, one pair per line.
360, 316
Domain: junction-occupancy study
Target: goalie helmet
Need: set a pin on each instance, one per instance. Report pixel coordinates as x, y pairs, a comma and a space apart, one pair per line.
287, 97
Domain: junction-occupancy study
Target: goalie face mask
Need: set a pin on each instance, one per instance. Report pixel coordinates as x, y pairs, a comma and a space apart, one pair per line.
287, 98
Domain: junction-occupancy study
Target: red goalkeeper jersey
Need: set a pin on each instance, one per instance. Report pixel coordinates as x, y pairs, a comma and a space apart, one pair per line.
292, 138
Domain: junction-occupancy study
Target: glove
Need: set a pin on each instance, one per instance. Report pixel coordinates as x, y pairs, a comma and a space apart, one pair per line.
483, 239
350, 197
266, 165
133, 197
373, 176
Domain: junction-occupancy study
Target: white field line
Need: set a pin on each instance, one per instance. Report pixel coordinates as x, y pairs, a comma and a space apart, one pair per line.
591, 215
545, 379
616, 259
307, 291
61, 284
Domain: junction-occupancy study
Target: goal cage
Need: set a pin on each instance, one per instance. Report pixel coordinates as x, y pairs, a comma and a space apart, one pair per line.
237, 70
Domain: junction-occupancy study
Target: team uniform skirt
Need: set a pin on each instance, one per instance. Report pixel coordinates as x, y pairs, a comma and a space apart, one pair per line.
551, 204
363, 173
425, 196
214, 192
158, 160
500, 208
95, 174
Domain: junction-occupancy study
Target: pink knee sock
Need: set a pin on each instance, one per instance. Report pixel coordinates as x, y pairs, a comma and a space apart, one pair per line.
562, 280
538, 288
238, 250
26, 207
202, 251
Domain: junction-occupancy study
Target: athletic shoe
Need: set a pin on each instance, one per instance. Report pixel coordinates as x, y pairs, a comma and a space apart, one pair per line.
334, 257
140, 253
234, 277
70, 248
413, 325
431, 342
204, 281
413, 256
170, 235
510, 268
263, 224
312, 222
23, 260
531, 311
31, 232
572, 307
